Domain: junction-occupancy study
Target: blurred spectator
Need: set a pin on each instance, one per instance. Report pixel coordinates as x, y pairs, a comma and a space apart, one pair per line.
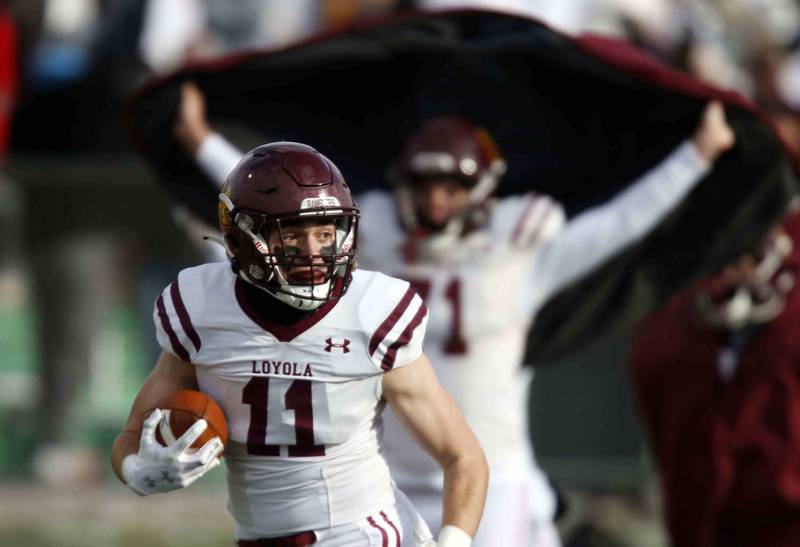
11, 282
74, 282
565, 15
70, 102
179, 31
716, 375
337, 13
79, 65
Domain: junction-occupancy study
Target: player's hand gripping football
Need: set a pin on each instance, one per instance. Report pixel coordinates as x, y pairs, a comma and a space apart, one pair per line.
156, 469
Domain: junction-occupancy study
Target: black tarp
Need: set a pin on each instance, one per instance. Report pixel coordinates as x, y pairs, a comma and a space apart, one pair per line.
575, 118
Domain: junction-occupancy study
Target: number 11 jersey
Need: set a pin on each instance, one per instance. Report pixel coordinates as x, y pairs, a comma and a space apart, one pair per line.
302, 402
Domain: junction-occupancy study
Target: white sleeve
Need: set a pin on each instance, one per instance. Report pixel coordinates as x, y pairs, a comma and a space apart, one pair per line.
175, 331
217, 157
397, 340
598, 233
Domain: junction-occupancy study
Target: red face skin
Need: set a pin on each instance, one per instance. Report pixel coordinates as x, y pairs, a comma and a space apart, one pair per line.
438, 200
305, 237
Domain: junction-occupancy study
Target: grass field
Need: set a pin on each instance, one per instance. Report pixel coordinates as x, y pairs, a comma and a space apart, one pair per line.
112, 516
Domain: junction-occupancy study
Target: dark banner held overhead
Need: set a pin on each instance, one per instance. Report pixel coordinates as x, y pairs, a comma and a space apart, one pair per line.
578, 119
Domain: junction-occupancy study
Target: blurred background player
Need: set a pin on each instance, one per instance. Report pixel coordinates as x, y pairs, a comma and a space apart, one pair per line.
304, 459
716, 377
484, 266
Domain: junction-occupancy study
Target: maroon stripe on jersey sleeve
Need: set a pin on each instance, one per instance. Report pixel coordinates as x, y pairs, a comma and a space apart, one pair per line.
183, 315
525, 234
390, 523
177, 347
541, 222
384, 535
524, 218
403, 339
391, 320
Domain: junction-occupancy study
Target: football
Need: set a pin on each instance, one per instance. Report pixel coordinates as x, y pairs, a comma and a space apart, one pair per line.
181, 409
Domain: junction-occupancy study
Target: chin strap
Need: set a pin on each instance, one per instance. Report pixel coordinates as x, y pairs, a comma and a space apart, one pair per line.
216, 239
303, 304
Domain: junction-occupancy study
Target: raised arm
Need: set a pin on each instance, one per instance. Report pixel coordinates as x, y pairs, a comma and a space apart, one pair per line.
434, 421
213, 154
598, 233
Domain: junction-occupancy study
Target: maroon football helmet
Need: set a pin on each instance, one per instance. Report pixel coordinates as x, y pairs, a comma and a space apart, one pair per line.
272, 186
448, 147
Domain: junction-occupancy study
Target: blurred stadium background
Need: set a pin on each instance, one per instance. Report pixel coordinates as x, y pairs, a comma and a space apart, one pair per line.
87, 240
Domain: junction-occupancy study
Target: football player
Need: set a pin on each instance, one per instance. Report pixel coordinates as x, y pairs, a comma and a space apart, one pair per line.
302, 352
484, 267
717, 380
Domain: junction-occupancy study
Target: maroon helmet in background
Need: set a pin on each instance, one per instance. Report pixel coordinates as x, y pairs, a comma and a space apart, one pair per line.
448, 147
272, 185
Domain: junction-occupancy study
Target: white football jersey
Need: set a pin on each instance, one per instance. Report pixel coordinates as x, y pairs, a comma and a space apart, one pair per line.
303, 402
479, 320
483, 302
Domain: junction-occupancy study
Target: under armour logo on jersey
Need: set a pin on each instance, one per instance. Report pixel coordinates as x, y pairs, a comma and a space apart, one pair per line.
344, 345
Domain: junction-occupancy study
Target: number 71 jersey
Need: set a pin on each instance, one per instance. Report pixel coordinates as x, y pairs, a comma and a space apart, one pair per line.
302, 402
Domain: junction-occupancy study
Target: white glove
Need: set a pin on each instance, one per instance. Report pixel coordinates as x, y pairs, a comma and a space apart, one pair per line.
449, 536
156, 469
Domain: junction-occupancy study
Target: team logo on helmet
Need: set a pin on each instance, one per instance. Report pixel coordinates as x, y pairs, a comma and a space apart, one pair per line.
223, 207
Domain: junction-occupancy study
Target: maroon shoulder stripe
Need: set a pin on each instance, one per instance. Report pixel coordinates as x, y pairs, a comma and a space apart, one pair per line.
535, 232
403, 339
390, 321
523, 218
183, 315
177, 347
384, 535
390, 523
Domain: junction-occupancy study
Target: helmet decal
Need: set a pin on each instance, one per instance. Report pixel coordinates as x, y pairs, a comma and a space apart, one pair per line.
487, 144
316, 203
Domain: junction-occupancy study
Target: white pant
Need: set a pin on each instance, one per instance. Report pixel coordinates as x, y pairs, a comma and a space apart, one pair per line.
385, 528
519, 509
381, 529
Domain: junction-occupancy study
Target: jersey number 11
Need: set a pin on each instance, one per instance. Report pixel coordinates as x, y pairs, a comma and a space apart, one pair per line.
298, 398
